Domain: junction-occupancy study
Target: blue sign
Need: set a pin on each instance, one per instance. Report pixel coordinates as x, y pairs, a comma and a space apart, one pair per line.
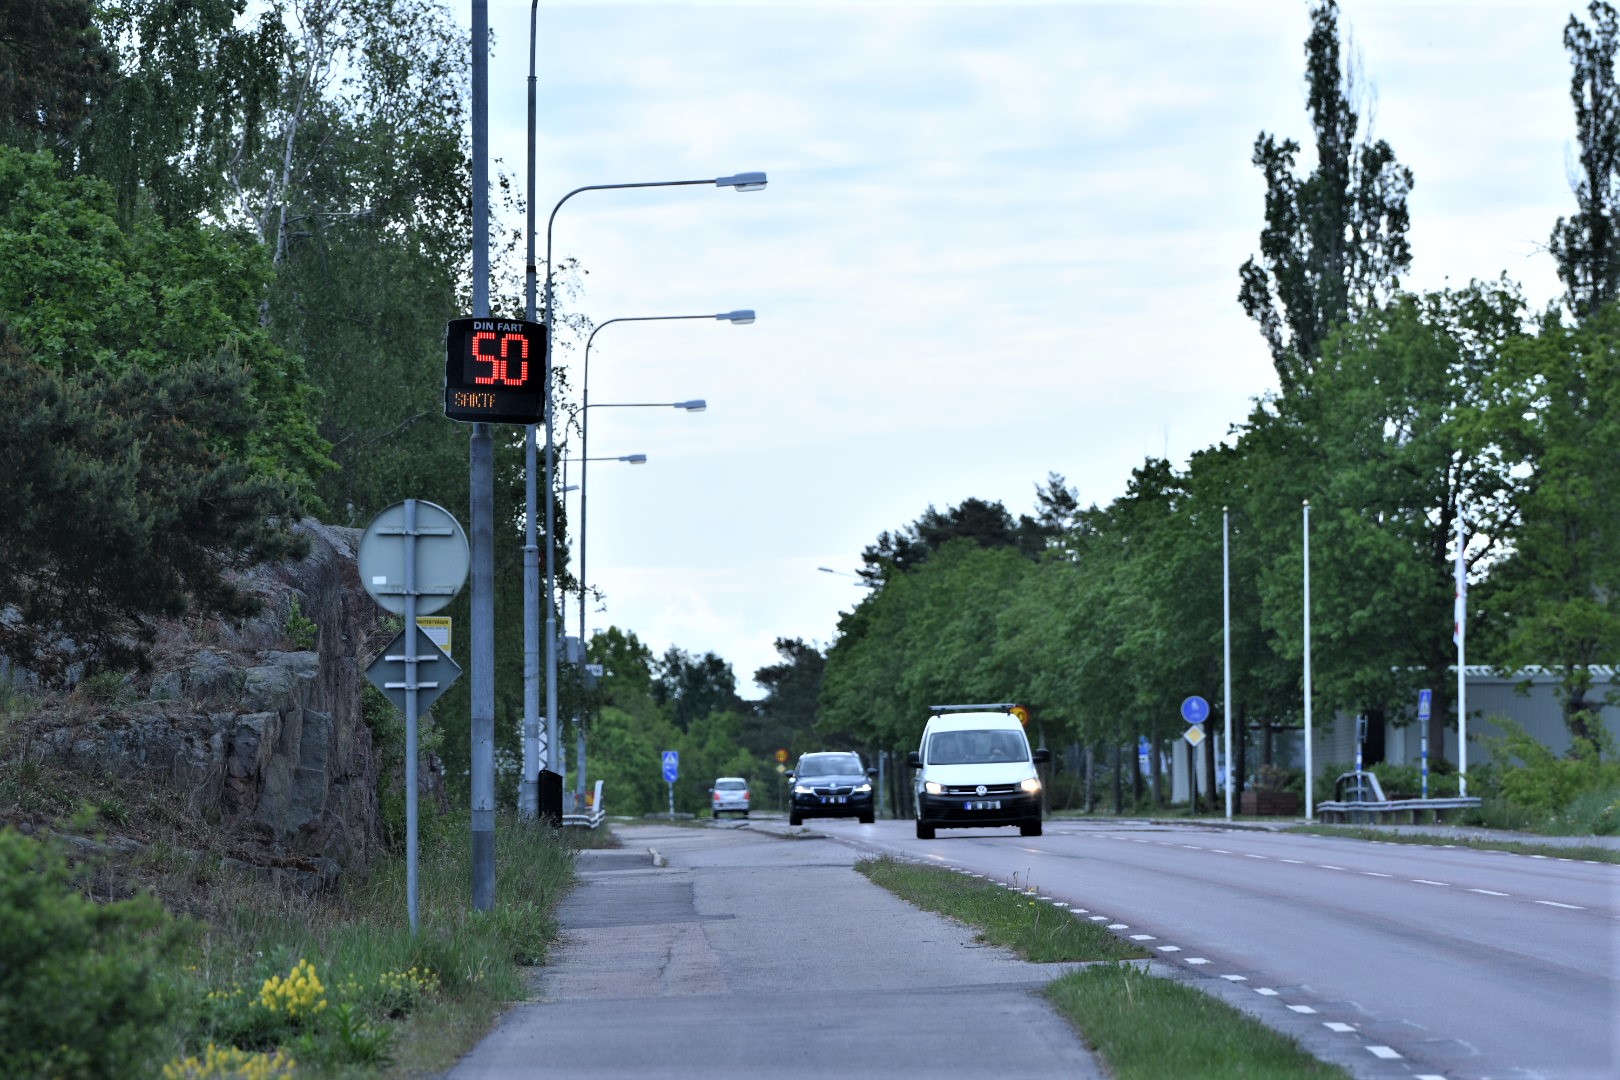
1195, 710
672, 766
1142, 749
1425, 701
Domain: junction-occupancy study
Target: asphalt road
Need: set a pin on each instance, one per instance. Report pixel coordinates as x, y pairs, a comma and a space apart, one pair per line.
747, 954
1395, 960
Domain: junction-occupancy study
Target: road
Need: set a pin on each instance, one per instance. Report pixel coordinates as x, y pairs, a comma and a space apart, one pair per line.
1432, 962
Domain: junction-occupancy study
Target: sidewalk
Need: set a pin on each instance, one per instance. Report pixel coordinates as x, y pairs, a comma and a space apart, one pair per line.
741, 954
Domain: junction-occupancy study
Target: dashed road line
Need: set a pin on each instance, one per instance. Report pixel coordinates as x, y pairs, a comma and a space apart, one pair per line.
1567, 907
1339, 1026
1426, 881
1386, 1052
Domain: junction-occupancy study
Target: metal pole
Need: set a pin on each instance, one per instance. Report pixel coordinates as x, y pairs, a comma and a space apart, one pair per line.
529, 782
1462, 671
482, 497
410, 712
1309, 803
1226, 650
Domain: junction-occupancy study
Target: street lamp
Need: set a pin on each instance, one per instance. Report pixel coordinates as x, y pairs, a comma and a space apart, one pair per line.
862, 582
528, 789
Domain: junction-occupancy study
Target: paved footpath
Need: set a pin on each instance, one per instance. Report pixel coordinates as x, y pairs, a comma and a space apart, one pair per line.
736, 953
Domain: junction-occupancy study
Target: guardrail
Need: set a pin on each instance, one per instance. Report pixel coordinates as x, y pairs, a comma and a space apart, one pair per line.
1361, 798
592, 815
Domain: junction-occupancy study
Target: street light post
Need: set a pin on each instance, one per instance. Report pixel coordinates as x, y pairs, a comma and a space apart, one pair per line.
528, 789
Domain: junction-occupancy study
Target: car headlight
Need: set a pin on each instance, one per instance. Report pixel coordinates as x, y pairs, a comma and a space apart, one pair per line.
863, 789
802, 789
934, 789
1031, 786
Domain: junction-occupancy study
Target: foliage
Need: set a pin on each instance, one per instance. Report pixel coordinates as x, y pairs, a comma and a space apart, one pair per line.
121, 502
1334, 242
1533, 778
689, 687
82, 988
301, 630
53, 68
987, 524
787, 715
1553, 414
1587, 244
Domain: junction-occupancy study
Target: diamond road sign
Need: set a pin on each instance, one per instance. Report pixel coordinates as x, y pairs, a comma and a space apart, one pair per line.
1194, 736
434, 671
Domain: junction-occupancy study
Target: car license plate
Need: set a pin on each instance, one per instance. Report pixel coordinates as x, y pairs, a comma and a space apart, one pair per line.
984, 804
825, 799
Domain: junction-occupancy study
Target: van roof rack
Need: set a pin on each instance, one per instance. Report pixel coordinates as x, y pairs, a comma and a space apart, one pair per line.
1002, 706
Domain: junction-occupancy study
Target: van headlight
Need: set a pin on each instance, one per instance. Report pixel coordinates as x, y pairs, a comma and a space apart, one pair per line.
932, 788
1032, 786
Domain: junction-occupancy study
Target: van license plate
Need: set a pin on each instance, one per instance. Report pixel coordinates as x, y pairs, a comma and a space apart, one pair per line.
983, 804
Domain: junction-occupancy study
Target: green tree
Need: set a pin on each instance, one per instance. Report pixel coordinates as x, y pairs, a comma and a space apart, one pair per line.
53, 69
126, 495
1554, 415
1587, 245
787, 714
689, 687
1334, 242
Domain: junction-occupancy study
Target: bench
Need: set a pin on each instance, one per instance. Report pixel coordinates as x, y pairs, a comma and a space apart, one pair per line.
1359, 798
591, 815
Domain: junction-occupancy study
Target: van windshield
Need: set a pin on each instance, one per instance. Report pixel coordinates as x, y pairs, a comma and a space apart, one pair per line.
976, 747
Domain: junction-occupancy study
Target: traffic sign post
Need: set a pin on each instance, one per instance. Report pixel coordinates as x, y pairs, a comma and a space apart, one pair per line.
1425, 706
672, 772
413, 560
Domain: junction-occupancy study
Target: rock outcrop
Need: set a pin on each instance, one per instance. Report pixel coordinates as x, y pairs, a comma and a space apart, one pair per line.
254, 731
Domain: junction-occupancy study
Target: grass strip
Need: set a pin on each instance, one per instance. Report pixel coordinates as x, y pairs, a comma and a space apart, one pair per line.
1150, 1028
1030, 927
1583, 852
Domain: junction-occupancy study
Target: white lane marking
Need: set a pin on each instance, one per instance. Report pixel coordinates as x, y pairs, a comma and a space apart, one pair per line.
1341, 1028
1196, 960
1099, 918
1080, 910
1296, 862
1246, 855
1235, 978
1192, 847
1265, 991
1384, 1052
1426, 881
1325, 866
1302, 1009
1142, 937
1428, 1076
1169, 948
1374, 873
1566, 907
1119, 926
1220, 851
1059, 903
1489, 892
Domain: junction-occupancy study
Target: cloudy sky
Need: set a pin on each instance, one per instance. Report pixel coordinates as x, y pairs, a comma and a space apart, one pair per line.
999, 241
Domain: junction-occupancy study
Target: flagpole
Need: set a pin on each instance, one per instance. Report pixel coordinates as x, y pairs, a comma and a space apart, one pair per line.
1462, 672
1309, 802
1226, 650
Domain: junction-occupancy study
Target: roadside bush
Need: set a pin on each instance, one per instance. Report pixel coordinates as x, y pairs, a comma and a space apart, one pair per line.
1533, 778
81, 986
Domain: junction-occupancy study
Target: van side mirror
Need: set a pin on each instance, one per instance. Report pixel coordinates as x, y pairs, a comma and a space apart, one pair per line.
1042, 756
914, 759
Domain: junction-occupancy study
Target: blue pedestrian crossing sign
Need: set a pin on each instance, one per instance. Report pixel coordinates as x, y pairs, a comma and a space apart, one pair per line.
672, 766
1195, 710
1425, 702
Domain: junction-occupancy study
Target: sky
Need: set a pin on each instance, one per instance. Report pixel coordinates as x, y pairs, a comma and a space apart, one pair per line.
999, 241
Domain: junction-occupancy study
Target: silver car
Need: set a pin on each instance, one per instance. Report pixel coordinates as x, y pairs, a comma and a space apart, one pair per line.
729, 796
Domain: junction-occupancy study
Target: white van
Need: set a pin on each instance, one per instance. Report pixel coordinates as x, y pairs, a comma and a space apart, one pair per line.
975, 770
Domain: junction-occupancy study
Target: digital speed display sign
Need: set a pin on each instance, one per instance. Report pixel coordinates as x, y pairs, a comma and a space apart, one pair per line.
495, 371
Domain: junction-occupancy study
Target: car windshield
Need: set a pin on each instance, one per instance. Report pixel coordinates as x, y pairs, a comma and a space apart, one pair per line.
731, 785
830, 765
975, 747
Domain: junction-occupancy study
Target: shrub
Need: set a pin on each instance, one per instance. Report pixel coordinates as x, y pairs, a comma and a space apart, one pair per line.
1534, 778
81, 992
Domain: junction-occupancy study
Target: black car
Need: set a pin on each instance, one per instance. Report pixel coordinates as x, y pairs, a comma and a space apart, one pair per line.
831, 784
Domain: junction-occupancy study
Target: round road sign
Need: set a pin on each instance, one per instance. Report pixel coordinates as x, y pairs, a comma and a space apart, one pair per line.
1195, 710
441, 557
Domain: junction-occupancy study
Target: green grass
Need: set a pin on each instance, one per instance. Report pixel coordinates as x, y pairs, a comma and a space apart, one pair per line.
1150, 1028
1030, 927
1590, 853
1143, 1026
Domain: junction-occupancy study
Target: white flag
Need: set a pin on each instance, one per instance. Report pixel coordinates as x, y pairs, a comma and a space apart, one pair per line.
1459, 610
